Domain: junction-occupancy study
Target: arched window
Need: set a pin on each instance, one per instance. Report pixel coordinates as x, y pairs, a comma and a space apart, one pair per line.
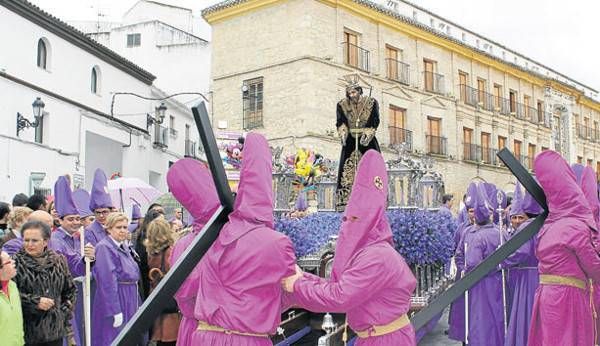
95, 80
42, 54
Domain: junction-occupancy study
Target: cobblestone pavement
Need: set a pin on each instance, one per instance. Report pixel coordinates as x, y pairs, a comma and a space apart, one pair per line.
437, 337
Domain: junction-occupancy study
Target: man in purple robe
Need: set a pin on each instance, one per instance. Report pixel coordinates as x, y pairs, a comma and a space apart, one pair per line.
485, 307
562, 308
192, 185
66, 241
370, 281
456, 316
101, 205
239, 294
523, 279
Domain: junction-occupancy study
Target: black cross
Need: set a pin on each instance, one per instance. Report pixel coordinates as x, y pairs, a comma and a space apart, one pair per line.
492, 262
142, 320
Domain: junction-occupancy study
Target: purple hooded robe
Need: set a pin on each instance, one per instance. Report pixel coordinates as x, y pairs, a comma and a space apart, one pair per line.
192, 185
69, 246
117, 275
485, 298
523, 279
240, 282
562, 314
370, 281
456, 316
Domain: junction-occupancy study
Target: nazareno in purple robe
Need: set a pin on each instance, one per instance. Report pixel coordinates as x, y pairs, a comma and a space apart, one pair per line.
524, 278
486, 316
191, 183
562, 314
370, 281
240, 282
117, 275
456, 316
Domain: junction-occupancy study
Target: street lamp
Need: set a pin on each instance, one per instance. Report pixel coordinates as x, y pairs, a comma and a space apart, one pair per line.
159, 115
38, 112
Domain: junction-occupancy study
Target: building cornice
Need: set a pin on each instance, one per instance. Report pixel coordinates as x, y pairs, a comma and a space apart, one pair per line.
54, 25
375, 13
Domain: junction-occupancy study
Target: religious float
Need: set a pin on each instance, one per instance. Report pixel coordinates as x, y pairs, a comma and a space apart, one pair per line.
305, 191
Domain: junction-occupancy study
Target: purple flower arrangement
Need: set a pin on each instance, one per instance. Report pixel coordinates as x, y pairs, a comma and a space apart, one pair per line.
309, 233
421, 237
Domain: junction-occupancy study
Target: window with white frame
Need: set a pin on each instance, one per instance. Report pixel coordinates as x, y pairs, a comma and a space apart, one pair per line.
134, 40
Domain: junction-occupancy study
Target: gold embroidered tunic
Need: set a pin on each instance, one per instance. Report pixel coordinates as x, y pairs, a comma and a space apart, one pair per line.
357, 123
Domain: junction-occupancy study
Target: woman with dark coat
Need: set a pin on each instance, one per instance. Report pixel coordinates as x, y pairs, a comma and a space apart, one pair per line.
46, 287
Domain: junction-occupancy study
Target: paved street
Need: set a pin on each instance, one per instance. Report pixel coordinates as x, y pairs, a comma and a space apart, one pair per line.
437, 337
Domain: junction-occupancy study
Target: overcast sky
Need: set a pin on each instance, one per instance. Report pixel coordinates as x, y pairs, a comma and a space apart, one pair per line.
562, 35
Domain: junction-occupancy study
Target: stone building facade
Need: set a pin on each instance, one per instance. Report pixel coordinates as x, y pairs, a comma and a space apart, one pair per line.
443, 90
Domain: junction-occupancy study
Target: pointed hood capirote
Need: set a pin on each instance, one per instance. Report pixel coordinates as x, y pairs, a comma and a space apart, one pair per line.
516, 206
578, 171
253, 207
563, 195
192, 185
590, 191
482, 207
471, 195
82, 200
364, 221
63, 198
136, 213
100, 198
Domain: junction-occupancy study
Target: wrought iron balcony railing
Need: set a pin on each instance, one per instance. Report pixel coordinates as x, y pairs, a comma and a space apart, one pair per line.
190, 148
398, 71
356, 56
437, 145
433, 82
399, 135
161, 136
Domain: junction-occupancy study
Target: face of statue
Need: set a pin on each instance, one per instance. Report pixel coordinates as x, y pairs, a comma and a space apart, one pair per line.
354, 95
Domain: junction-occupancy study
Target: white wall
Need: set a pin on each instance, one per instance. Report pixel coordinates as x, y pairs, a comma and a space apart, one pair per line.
70, 144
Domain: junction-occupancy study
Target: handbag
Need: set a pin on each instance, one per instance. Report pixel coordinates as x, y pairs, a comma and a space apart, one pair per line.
155, 276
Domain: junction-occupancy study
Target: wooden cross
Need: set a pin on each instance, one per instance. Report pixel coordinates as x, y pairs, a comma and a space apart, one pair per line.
134, 330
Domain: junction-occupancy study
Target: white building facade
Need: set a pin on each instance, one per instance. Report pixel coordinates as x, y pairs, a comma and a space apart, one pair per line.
86, 122
163, 39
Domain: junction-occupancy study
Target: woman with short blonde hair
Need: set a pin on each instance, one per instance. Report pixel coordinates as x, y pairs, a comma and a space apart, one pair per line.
117, 276
159, 244
114, 218
17, 217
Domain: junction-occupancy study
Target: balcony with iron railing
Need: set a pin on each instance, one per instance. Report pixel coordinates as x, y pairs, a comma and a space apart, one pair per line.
483, 100
398, 71
437, 145
586, 132
356, 56
479, 154
433, 82
161, 136
399, 135
190, 148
